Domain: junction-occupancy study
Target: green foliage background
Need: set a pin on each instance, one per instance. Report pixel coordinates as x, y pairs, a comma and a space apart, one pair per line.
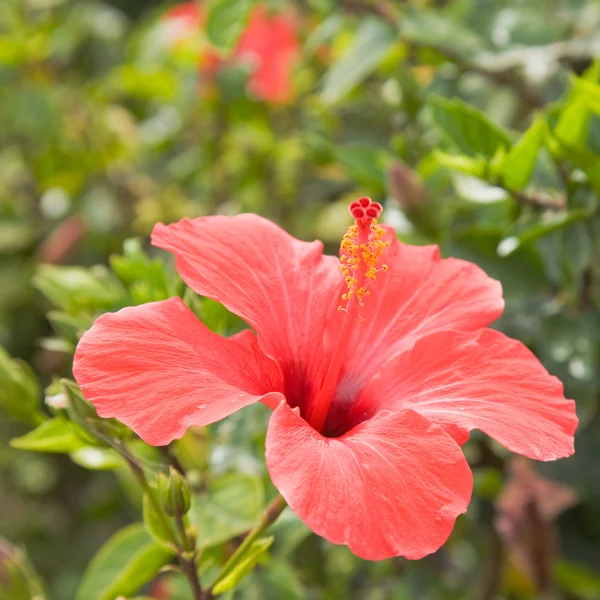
475, 122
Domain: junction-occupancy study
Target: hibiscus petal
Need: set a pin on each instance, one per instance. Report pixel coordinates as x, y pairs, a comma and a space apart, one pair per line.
270, 45
485, 381
279, 285
392, 486
418, 295
158, 369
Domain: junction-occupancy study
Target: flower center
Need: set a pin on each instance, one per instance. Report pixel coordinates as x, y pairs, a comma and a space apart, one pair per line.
360, 251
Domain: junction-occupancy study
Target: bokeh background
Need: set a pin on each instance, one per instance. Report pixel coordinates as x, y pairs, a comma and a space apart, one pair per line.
474, 122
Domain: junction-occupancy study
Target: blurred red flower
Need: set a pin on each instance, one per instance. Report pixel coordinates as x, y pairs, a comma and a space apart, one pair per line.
269, 45
375, 376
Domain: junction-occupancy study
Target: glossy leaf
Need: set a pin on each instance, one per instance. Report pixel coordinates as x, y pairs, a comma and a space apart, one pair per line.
127, 561
572, 127
20, 393
98, 459
75, 289
244, 565
55, 435
231, 505
517, 166
475, 166
466, 128
589, 91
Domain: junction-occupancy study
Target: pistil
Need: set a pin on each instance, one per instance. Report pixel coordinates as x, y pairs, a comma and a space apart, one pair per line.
360, 251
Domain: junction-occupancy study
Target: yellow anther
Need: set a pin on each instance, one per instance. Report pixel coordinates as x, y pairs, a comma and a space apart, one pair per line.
360, 254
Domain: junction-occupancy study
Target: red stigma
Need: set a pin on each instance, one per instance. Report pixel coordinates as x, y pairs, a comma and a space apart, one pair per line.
365, 207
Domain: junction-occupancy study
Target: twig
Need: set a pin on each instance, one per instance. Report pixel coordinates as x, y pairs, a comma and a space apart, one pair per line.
539, 200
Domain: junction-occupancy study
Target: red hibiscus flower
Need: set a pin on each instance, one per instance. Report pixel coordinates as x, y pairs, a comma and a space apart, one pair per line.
269, 45
375, 375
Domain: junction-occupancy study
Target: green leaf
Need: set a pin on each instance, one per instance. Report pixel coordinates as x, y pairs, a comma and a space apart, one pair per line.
75, 289
517, 166
231, 505
225, 22
98, 459
373, 39
129, 560
592, 73
155, 526
475, 166
55, 435
147, 279
573, 124
19, 390
589, 91
244, 565
279, 582
467, 128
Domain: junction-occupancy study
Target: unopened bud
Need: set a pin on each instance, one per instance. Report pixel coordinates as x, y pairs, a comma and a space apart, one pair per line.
405, 186
174, 493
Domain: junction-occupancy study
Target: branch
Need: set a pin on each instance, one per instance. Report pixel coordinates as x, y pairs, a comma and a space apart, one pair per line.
537, 199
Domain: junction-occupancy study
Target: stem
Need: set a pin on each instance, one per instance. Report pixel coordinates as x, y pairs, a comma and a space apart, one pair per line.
269, 517
188, 565
188, 568
185, 550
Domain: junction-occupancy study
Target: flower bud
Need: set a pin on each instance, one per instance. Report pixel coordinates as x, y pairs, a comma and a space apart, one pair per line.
174, 493
405, 187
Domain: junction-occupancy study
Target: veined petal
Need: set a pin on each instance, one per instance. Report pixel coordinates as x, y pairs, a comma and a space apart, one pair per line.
486, 381
158, 369
392, 486
279, 285
418, 295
